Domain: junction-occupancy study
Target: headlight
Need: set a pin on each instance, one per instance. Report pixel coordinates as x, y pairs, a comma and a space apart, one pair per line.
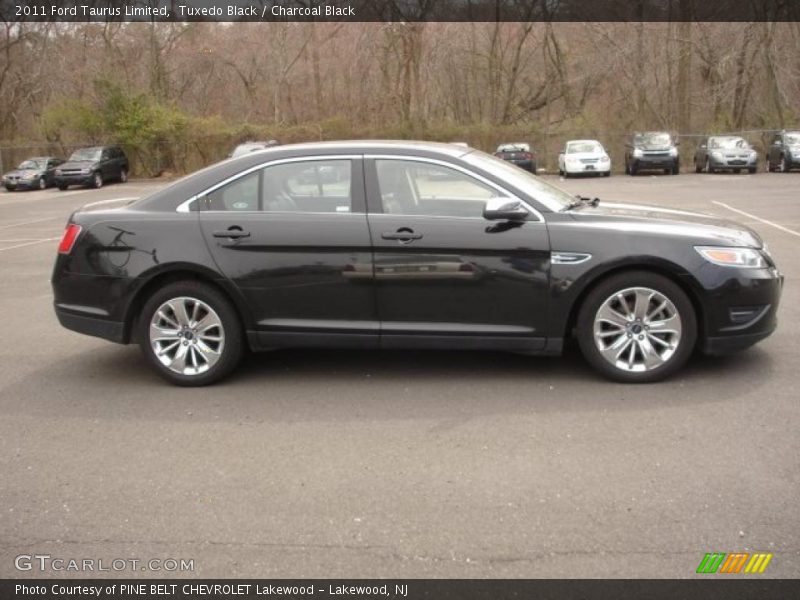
637, 153
604, 159
753, 154
716, 155
673, 152
748, 258
58, 171
85, 171
573, 160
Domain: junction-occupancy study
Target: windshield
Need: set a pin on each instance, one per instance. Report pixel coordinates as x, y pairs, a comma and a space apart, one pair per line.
653, 138
549, 195
575, 147
792, 139
32, 163
727, 142
86, 154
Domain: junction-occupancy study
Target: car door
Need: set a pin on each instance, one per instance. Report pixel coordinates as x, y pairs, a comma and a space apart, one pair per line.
444, 275
52, 163
292, 235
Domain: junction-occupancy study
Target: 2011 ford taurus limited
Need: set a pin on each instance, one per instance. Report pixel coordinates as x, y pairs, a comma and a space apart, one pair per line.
406, 245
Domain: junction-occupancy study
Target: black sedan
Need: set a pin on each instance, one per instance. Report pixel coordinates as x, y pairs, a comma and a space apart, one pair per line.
412, 245
36, 173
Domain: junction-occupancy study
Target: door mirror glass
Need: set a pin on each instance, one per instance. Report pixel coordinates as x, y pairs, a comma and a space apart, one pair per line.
504, 209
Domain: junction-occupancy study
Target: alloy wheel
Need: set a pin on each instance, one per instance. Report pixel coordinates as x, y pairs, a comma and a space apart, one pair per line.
637, 329
42, 183
187, 336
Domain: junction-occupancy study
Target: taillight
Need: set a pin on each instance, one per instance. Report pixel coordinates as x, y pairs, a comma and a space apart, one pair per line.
527, 156
71, 234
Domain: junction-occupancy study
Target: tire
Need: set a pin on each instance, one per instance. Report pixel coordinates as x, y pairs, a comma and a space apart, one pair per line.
751, 170
666, 359
224, 353
62, 187
676, 169
42, 183
607, 174
697, 167
782, 165
97, 180
633, 169
123, 176
9, 189
708, 168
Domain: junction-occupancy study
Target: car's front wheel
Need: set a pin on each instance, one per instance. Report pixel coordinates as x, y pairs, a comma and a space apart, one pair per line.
123, 176
42, 183
637, 327
97, 180
190, 334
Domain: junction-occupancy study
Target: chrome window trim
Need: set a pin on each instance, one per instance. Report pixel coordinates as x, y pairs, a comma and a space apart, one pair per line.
468, 172
183, 207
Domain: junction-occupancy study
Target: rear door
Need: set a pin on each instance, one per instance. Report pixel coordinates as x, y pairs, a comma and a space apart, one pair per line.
444, 275
293, 237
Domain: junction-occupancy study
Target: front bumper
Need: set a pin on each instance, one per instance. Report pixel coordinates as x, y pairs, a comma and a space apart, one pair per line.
77, 179
598, 167
655, 162
741, 310
21, 184
726, 164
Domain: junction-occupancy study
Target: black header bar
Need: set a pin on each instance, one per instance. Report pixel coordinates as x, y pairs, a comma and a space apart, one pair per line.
398, 10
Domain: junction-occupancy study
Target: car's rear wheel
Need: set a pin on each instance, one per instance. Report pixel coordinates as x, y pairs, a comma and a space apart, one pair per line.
190, 334
637, 327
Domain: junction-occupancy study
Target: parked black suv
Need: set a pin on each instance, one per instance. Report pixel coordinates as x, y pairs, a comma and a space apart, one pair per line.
652, 150
93, 167
783, 153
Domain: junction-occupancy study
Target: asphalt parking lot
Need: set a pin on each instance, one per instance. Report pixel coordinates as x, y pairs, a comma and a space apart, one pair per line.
398, 464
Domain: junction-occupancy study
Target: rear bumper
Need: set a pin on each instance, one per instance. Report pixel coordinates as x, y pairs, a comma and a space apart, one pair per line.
108, 330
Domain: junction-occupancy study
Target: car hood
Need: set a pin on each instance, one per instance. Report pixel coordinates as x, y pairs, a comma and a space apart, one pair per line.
24, 173
665, 221
654, 147
77, 164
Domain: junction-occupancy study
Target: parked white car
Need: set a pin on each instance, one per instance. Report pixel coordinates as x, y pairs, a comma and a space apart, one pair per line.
584, 156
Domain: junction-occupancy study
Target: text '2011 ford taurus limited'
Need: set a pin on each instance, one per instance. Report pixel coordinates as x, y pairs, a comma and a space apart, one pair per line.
406, 245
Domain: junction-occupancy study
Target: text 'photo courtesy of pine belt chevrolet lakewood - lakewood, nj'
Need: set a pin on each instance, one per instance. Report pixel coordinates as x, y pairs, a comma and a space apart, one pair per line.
406, 245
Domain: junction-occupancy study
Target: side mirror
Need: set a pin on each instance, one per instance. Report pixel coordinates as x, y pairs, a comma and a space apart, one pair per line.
504, 209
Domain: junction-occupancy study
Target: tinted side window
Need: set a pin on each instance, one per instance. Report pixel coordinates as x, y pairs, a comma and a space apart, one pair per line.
307, 186
419, 188
238, 195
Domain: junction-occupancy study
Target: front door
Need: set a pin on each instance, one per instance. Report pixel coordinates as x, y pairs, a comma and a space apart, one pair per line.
444, 275
293, 237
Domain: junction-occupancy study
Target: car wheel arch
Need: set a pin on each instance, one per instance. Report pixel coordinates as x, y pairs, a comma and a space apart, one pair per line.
671, 271
175, 273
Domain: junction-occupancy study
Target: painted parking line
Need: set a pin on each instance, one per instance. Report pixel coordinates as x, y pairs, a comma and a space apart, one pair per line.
759, 219
30, 222
30, 243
